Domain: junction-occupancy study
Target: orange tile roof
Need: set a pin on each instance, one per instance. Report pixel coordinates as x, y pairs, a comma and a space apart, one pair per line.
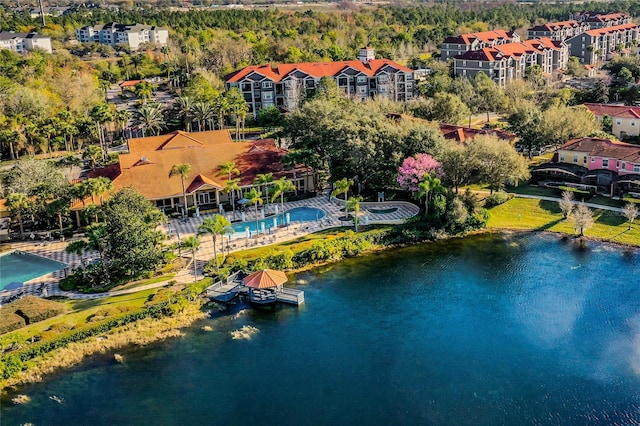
622, 111
485, 36
515, 50
129, 83
314, 69
485, 54
146, 167
462, 134
604, 148
606, 17
554, 26
608, 30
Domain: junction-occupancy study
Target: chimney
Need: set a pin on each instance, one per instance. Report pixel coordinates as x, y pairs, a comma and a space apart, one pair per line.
366, 54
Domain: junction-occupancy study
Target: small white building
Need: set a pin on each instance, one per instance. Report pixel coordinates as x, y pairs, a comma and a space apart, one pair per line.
21, 42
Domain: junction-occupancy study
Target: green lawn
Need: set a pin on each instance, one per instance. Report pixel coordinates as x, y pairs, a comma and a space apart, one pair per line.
521, 213
298, 244
77, 314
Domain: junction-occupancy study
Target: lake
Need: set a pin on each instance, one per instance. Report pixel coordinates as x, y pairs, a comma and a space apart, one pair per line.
489, 329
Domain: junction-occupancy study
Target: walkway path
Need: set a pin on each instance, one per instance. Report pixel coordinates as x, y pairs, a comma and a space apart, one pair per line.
592, 205
48, 285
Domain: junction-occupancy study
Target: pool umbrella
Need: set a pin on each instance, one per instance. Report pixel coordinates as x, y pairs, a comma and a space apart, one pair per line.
13, 285
267, 278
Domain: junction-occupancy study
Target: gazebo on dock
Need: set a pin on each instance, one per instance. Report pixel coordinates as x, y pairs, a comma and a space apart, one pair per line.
264, 285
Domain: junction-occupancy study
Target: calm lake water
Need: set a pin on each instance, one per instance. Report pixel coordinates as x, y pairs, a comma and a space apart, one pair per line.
486, 330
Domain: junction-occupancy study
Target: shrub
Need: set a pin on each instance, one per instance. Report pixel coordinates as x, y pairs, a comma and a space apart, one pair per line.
10, 321
497, 198
34, 309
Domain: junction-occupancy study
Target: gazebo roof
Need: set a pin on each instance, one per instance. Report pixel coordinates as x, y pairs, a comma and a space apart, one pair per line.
267, 278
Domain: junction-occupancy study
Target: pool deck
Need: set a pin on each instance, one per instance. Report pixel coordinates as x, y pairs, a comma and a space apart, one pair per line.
47, 285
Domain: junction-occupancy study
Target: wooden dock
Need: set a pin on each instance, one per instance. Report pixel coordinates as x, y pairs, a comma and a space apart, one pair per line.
226, 291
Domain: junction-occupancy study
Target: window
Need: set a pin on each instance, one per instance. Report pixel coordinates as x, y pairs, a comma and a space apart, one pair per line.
362, 79
246, 87
617, 164
342, 81
633, 123
636, 168
267, 84
584, 160
362, 89
267, 96
623, 166
464, 63
203, 198
618, 122
479, 64
593, 159
575, 158
561, 157
605, 162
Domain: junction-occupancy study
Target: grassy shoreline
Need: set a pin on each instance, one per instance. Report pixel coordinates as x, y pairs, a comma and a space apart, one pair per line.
516, 215
141, 333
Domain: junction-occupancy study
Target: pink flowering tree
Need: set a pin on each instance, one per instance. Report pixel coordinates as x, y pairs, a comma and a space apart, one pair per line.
413, 169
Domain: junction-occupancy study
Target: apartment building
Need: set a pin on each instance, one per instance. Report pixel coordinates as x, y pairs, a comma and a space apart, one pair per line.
458, 45
609, 167
284, 85
626, 119
598, 44
597, 20
508, 62
558, 30
22, 42
133, 36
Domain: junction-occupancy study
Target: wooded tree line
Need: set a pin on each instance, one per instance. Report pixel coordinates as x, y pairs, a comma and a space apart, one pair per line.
224, 40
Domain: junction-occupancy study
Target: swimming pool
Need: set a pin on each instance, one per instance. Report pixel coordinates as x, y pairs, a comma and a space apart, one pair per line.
20, 267
297, 214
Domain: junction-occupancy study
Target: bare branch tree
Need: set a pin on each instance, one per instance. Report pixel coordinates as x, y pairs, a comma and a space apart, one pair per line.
582, 218
630, 211
566, 204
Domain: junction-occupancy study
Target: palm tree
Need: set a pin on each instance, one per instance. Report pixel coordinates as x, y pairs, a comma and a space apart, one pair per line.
281, 186
97, 235
216, 225
264, 180
17, 202
78, 247
230, 189
353, 204
101, 114
102, 185
184, 108
122, 117
253, 198
202, 112
69, 161
150, 118
181, 170
92, 153
429, 184
58, 207
221, 106
342, 187
229, 168
192, 243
